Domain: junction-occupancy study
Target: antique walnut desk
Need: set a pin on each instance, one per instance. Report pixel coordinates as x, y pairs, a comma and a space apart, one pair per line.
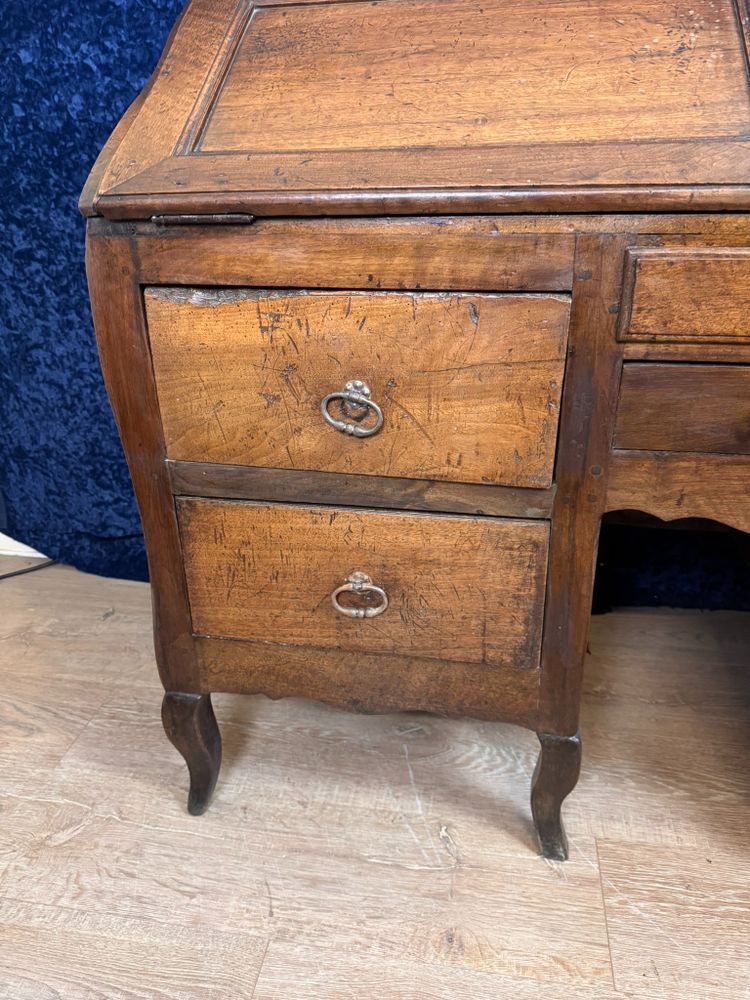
394, 301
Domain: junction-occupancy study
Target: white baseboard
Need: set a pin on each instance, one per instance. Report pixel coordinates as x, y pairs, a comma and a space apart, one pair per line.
10, 547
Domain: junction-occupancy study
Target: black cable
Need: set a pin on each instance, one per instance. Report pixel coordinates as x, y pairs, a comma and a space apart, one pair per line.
29, 569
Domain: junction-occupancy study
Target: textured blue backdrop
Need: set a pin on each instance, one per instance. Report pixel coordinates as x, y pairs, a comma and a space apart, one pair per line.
68, 72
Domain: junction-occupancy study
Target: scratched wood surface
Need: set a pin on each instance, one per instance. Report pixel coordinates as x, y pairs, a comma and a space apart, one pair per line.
464, 589
347, 857
469, 385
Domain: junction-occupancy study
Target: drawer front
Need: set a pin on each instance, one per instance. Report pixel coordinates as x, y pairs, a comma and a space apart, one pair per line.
468, 385
684, 408
687, 295
460, 589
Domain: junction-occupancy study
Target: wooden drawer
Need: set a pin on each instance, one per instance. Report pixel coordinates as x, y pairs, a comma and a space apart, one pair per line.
687, 295
469, 384
463, 589
685, 408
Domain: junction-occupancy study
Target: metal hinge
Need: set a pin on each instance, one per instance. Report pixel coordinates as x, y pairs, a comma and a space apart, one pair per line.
231, 219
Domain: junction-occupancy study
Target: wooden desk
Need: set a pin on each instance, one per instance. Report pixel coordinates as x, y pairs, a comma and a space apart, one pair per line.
394, 300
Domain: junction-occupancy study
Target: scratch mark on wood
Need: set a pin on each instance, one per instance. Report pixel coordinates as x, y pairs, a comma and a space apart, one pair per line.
270, 898
450, 845
411, 416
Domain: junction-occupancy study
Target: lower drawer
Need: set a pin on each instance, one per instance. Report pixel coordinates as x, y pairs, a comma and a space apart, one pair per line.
684, 408
452, 588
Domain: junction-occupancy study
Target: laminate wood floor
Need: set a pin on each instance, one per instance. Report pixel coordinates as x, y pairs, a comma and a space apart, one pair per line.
365, 858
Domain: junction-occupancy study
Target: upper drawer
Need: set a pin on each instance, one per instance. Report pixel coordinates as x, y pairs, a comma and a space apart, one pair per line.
687, 295
468, 385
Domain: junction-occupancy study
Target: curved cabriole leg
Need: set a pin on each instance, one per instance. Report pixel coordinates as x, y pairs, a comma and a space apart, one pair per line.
190, 724
555, 776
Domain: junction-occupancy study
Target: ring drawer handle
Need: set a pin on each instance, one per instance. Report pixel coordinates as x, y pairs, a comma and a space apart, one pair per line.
357, 394
360, 583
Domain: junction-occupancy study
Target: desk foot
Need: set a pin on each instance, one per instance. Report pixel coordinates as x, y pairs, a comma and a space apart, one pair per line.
190, 724
555, 776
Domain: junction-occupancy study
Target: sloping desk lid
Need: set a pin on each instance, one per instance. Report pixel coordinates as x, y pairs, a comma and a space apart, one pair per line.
376, 106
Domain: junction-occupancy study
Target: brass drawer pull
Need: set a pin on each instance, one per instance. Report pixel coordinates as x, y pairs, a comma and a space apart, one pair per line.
355, 396
360, 583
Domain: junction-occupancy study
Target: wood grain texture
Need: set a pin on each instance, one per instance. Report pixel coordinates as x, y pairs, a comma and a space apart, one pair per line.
238, 482
41, 721
654, 228
707, 352
700, 408
406, 111
604, 199
376, 64
673, 485
592, 378
469, 385
117, 310
288, 968
370, 682
347, 856
688, 295
84, 961
499, 253
460, 589
672, 896
448, 253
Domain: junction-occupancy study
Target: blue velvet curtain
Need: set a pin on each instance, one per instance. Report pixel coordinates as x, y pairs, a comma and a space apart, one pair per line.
69, 70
